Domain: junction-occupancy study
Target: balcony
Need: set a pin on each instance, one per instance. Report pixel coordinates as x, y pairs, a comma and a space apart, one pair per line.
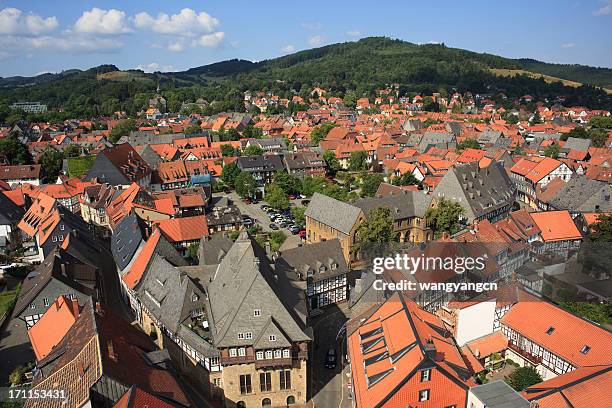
527, 356
236, 360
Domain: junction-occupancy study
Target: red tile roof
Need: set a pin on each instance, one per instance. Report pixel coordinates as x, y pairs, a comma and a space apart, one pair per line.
569, 333
184, 229
53, 326
556, 225
489, 344
133, 276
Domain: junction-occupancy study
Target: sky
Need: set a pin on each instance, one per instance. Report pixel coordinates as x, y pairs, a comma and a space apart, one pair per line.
54, 35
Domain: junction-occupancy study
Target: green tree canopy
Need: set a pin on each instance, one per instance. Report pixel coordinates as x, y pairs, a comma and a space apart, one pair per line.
523, 377
13, 152
357, 160
227, 150
288, 183
377, 228
468, 143
245, 184
73, 150
601, 231
298, 214
229, 174
552, 151
122, 129
252, 150
406, 179
444, 217
320, 132
51, 163
332, 163
276, 197
370, 183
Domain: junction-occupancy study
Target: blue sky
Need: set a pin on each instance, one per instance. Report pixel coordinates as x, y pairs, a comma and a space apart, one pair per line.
52, 35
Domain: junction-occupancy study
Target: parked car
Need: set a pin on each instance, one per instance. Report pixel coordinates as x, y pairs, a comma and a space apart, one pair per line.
247, 222
246, 200
254, 201
265, 207
273, 227
302, 196
305, 202
302, 234
330, 358
294, 230
292, 197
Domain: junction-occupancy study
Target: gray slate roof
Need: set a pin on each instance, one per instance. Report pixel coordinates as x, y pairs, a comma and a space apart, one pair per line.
312, 257
498, 394
581, 194
435, 138
406, 204
574, 143
213, 249
329, 211
244, 283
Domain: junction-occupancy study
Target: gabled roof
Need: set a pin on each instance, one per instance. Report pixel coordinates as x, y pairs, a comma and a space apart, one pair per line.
321, 260
332, 212
561, 332
245, 282
53, 325
585, 387
20, 172
136, 397
41, 207
556, 225
184, 228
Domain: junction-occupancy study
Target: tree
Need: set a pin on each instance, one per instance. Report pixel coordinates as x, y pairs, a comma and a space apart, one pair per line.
552, 151
536, 118
122, 129
73, 150
370, 183
444, 217
357, 160
288, 183
252, 150
276, 197
192, 130
251, 132
227, 150
377, 228
468, 143
407, 179
523, 377
298, 214
601, 122
192, 253
229, 174
245, 184
51, 163
276, 240
14, 152
320, 132
601, 231
332, 163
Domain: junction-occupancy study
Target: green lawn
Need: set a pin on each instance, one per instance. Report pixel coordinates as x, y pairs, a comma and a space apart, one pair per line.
7, 300
77, 166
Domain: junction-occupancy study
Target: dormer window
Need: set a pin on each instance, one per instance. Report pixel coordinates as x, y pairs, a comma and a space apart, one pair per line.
194, 296
257, 312
334, 266
272, 337
322, 269
310, 272
550, 330
585, 349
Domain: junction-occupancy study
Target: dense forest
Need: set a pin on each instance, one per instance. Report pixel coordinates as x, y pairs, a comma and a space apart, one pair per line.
349, 70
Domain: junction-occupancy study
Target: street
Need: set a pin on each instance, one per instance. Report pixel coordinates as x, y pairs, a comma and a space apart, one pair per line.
329, 386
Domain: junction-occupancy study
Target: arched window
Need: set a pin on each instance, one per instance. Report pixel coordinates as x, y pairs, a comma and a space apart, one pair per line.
266, 402
241, 404
290, 400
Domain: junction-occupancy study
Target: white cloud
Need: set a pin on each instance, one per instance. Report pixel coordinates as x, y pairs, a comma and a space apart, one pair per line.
604, 10
186, 23
14, 22
154, 66
568, 45
212, 40
289, 48
98, 21
176, 46
316, 40
353, 33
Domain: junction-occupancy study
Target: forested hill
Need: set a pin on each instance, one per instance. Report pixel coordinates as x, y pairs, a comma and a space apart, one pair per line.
353, 67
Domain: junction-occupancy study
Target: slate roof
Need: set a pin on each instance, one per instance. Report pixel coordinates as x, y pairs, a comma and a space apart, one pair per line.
332, 212
435, 138
499, 394
310, 258
584, 195
263, 162
574, 143
405, 204
212, 250
119, 165
243, 283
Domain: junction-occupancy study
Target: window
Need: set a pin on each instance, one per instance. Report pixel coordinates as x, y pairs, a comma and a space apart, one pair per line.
217, 382
241, 404
259, 355
285, 379
277, 353
423, 395
272, 337
245, 384
62, 227
266, 402
585, 349
232, 352
242, 352
46, 303
550, 330
194, 297
32, 306
60, 238
257, 312
248, 335
425, 375
290, 400
54, 239
286, 353
240, 336
265, 382
268, 354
